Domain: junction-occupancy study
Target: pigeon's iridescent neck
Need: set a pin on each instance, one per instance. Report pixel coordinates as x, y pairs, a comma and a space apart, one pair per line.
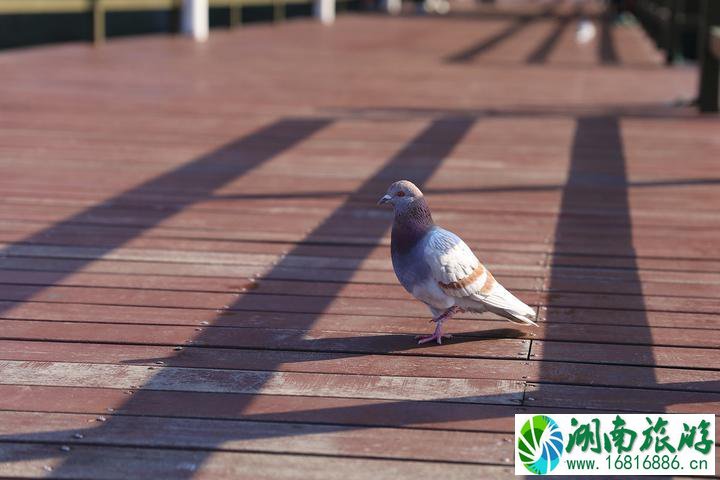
411, 224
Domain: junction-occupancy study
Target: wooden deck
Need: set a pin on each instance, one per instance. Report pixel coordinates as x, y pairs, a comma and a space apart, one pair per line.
195, 282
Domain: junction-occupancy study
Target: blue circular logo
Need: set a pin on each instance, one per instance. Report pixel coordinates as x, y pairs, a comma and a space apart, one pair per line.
540, 444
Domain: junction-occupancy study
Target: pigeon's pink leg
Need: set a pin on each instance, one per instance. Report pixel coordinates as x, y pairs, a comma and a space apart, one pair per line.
437, 335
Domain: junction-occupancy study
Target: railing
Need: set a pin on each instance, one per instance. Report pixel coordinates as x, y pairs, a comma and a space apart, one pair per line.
95, 8
666, 21
184, 11
709, 57
669, 21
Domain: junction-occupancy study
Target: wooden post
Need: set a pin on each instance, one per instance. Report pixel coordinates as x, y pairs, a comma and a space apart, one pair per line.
325, 11
195, 19
98, 22
278, 10
175, 17
671, 31
709, 63
235, 13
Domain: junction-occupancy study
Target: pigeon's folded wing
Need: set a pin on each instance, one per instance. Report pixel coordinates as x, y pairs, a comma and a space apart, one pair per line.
454, 266
459, 273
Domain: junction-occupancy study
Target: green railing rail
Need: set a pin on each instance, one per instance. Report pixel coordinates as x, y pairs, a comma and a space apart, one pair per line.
97, 9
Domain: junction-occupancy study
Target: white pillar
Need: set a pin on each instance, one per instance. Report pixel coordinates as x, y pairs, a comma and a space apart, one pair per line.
393, 7
325, 11
195, 21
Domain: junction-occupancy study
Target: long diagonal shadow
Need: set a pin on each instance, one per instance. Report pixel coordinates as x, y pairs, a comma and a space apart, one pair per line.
596, 185
417, 162
543, 51
470, 53
201, 177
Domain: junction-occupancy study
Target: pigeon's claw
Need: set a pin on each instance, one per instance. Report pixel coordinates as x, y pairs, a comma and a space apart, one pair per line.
437, 334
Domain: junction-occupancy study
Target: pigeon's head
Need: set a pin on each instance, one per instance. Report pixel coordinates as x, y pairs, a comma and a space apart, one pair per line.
400, 194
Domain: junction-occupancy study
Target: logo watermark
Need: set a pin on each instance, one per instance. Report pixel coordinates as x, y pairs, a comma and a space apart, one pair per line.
615, 444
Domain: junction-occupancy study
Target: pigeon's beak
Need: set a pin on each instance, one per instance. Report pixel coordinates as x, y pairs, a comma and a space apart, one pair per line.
384, 199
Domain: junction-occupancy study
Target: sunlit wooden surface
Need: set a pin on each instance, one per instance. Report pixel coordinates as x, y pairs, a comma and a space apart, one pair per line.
195, 280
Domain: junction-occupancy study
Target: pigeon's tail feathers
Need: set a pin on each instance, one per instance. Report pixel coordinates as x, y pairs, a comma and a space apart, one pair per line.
517, 317
514, 316
501, 302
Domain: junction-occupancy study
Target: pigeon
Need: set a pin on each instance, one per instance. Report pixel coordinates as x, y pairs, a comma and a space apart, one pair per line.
439, 269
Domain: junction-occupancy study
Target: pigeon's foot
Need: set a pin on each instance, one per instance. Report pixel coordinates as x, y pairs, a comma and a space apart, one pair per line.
429, 338
437, 334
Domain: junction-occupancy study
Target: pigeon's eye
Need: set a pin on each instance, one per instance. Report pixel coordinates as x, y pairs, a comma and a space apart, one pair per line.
400, 193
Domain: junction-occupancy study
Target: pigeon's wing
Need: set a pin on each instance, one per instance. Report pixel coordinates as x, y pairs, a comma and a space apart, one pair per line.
460, 274
454, 266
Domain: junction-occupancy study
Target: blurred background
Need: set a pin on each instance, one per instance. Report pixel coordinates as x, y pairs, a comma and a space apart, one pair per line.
674, 24
682, 29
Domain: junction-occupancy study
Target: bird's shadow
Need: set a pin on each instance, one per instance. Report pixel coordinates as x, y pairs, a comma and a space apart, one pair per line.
352, 346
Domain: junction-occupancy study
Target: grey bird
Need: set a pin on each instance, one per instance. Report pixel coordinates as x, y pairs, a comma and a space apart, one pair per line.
439, 269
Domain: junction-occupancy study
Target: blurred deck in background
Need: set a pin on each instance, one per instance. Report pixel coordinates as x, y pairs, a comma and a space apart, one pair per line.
195, 281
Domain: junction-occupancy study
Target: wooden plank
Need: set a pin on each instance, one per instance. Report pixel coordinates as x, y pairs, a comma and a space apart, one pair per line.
114, 462
272, 383
620, 334
266, 437
494, 343
365, 326
307, 298
503, 272
635, 302
225, 285
364, 364
95, 234
369, 333
318, 410
665, 264
631, 318
633, 400
222, 258
625, 354
277, 408
221, 301
610, 285
329, 321
128, 212
381, 290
